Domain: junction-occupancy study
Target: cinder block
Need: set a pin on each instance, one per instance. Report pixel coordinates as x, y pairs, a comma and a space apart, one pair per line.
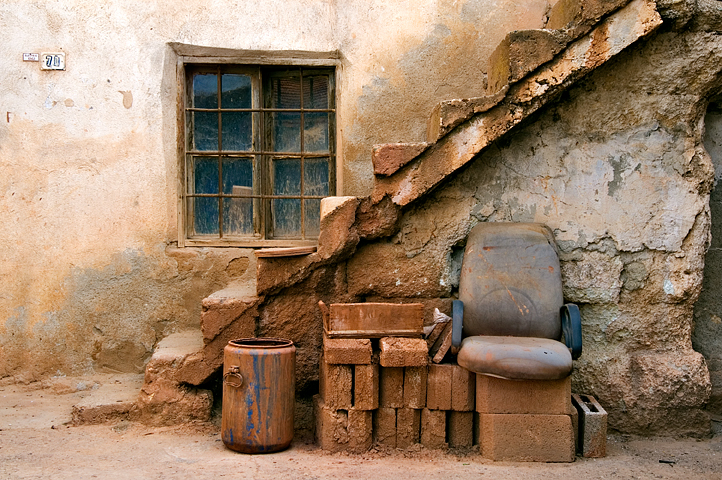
408, 427
360, 430
331, 426
366, 387
546, 397
527, 438
335, 385
347, 351
433, 428
463, 389
403, 352
391, 388
460, 426
385, 426
592, 426
415, 379
438, 386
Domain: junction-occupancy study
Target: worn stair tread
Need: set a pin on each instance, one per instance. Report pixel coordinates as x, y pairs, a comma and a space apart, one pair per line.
179, 345
112, 400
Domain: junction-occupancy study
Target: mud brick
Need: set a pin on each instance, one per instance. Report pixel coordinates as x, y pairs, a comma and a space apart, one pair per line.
360, 430
415, 387
374, 320
433, 428
592, 426
438, 386
438, 329
385, 426
366, 387
527, 438
347, 351
408, 427
331, 426
442, 345
463, 389
547, 397
391, 388
403, 352
335, 385
460, 426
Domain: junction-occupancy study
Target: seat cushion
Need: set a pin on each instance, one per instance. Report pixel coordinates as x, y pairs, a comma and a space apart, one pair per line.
521, 358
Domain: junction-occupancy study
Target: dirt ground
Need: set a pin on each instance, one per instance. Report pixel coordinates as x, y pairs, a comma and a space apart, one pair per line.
36, 441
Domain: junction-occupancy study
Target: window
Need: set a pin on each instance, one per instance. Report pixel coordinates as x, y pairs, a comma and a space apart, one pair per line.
259, 153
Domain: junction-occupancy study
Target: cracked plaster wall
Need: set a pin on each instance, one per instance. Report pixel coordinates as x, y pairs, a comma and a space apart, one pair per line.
618, 170
88, 170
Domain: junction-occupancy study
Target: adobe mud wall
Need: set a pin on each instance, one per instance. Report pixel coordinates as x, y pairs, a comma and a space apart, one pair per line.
89, 166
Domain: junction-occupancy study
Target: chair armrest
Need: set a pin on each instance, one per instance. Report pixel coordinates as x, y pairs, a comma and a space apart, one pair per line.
457, 322
572, 329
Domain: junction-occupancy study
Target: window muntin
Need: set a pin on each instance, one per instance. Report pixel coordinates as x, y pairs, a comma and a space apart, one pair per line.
259, 153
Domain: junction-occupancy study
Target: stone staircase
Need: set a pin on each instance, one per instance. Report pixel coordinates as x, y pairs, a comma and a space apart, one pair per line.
528, 70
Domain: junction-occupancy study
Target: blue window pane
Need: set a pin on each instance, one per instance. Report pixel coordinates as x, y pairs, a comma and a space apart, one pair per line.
237, 131
235, 91
287, 177
315, 176
286, 92
315, 132
313, 217
237, 172
205, 131
205, 91
205, 175
286, 217
315, 91
287, 132
205, 214
238, 213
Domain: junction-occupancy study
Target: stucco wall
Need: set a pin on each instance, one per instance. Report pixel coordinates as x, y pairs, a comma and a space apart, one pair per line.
89, 164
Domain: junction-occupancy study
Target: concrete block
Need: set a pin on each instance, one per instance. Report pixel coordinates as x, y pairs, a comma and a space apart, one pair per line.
403, 352
390, 157
433, 428
408, 427
347, 351
360, 430
463, 389
592, 426
415, 379
391, 388
385, 426
366, 387
548, 397
460, 427
527, 438
438, 386
331, 426
335, 385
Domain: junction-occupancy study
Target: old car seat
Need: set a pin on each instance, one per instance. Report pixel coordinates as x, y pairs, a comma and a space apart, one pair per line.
510, 315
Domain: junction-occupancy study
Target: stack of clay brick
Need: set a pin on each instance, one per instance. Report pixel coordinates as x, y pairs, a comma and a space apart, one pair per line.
384, 388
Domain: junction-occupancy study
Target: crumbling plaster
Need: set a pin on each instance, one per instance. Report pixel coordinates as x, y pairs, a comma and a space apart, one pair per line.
88, 176
618, 170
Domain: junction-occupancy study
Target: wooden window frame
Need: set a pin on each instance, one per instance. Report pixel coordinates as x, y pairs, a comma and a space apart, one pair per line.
256, 67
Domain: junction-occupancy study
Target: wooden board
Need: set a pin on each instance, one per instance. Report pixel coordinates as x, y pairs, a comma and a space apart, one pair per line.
284, 252
374, 320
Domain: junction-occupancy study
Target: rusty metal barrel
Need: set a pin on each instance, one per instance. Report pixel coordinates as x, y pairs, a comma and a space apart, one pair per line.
258, 394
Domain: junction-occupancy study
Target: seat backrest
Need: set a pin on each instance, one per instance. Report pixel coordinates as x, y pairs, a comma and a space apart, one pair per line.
511, 281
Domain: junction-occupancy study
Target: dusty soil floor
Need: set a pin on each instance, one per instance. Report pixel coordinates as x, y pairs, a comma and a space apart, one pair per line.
37, 442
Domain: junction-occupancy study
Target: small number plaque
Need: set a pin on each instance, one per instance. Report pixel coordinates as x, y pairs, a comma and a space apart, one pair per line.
52, 61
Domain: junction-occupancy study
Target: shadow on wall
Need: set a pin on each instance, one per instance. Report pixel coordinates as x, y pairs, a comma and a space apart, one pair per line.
707, 336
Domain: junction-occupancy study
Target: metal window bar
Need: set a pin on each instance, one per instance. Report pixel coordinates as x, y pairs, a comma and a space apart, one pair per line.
264, 197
